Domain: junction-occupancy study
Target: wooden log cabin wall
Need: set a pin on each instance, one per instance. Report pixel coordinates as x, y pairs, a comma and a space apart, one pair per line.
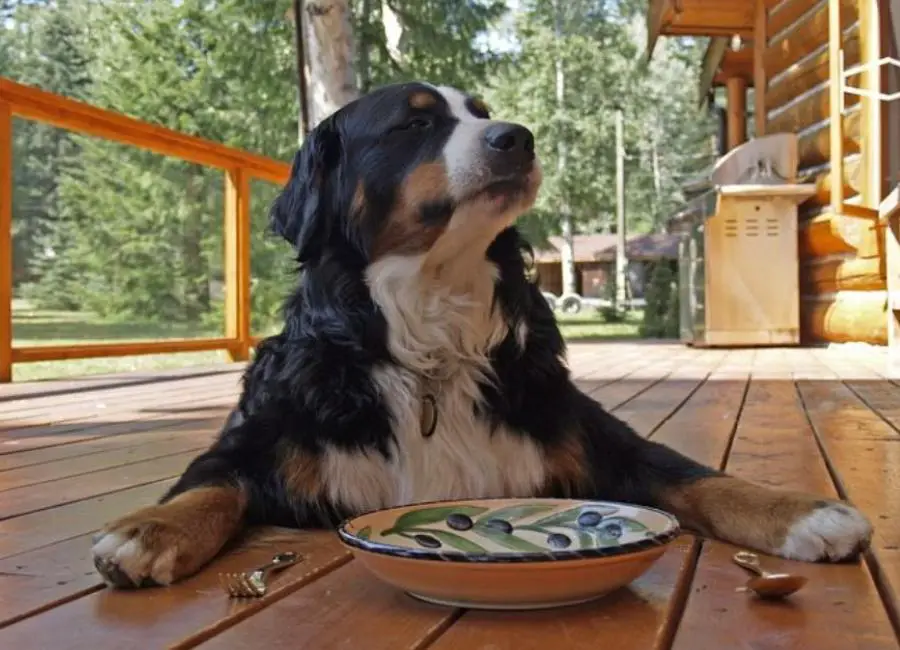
842, 279
843, 149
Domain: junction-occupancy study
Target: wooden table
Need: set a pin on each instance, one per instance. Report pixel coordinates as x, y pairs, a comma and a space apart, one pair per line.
75, 454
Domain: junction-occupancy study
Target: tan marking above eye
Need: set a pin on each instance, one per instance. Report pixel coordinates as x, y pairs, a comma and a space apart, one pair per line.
481, 106
422, 99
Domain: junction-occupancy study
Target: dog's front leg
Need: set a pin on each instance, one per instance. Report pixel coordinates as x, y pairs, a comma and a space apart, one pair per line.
163, 543
789, 524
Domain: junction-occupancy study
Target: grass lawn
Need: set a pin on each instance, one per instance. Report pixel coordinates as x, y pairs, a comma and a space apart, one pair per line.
41, 327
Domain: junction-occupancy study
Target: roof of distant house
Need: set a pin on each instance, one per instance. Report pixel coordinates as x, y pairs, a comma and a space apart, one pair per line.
602, 248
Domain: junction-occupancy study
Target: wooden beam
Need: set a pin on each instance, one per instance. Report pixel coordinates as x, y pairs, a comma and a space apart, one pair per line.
6, 252
828, 234
805, 110
835, 97
846, 316
237, 263
809, 73
839, 273
655, 15
823, 178
806, 36
737, 112
712, 58
759, 70
814, 144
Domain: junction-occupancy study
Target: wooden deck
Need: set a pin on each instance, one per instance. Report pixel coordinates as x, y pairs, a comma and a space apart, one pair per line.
75, 454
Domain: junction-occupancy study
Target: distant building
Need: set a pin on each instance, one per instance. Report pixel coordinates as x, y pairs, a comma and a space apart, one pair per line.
595, 262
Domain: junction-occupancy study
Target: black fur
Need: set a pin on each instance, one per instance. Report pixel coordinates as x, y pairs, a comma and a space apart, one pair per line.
310, 386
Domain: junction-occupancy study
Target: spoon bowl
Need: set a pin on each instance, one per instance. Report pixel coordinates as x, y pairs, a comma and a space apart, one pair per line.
767, 585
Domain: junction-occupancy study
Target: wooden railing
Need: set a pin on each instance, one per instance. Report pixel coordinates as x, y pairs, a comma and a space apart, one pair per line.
17, 100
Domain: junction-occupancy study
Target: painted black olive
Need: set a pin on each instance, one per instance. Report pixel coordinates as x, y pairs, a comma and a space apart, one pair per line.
427, 541
589, 518
500, 524
459, 521
558, 540
613, 530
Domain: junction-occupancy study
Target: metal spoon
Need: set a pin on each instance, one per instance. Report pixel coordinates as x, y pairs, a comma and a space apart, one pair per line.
767, 585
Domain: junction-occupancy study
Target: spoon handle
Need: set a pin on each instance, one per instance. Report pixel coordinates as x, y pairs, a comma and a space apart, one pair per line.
749, 561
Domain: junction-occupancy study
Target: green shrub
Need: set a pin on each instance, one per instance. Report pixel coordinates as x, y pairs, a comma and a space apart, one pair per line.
661, 315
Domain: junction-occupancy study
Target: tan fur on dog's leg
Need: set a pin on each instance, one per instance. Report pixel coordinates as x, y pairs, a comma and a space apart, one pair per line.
790, 524
164, 543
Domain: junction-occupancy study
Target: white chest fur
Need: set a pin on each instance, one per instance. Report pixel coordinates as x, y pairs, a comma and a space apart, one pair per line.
441, 341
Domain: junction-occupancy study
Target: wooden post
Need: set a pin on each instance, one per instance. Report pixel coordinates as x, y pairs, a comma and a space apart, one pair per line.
6, 263
237, 263
835, 94
737, 111
760, 41
621, 235
870, 107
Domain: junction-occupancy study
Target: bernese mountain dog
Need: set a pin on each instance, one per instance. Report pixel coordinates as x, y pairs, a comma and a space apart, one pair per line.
419, 362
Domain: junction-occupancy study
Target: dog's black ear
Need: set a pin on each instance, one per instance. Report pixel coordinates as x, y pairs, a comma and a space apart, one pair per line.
303, 212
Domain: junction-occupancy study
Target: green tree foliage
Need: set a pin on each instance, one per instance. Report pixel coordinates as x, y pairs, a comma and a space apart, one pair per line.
129, 234
661, 315
43, 153
602, 49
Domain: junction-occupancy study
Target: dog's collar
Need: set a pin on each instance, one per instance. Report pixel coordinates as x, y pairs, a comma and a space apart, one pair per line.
429, 415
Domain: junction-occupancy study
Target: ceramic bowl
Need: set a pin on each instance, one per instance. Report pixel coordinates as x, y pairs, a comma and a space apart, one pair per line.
510, 553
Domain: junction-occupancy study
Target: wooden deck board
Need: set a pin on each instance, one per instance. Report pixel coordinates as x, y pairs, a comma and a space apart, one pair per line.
75, 454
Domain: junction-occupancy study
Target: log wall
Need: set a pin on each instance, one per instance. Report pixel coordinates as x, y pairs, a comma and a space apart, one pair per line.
842, 271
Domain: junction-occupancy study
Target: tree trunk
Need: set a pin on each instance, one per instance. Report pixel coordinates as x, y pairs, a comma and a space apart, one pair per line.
330, 55
568, 251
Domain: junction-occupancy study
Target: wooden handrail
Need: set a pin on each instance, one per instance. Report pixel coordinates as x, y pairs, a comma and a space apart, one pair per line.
65, 113
18, 100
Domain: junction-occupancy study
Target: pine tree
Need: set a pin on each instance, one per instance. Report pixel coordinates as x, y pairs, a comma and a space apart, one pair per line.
55, 60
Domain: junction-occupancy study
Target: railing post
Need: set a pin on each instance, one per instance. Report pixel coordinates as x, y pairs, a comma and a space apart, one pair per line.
6, 263
237, 263
760, 42
835, 99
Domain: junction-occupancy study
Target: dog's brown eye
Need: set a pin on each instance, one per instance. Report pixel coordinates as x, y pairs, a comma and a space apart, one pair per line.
416, 124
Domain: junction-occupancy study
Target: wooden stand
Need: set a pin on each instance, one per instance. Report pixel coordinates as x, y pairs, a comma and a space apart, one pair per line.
752, 278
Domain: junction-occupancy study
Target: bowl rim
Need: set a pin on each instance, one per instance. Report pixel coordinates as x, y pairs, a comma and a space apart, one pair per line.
512, 557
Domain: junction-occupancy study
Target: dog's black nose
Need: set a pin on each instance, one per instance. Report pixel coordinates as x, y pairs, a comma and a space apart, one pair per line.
510, 138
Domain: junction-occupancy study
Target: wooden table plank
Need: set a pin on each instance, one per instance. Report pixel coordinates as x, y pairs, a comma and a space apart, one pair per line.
642, 615
54, 411
21, 501
152, 431
863, 453
52, 387
186, 613
639, 379
191, 439
45, 527
839, 608
345, 609
202, 406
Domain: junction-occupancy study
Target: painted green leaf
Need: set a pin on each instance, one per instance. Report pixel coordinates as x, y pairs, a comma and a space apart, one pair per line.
564, 518
365, 533
426, 516
508, 540
569, 517
514, 513
451, 539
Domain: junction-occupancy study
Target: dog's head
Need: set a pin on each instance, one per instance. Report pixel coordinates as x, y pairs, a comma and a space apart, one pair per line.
408, 169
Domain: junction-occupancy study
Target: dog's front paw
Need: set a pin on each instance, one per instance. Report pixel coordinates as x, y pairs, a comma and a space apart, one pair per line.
833, 531
141, 551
